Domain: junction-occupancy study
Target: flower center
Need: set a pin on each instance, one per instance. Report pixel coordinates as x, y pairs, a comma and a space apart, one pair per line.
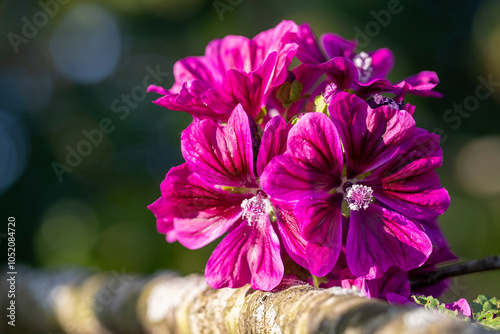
378, 100
363, 62
359, 197
255, 207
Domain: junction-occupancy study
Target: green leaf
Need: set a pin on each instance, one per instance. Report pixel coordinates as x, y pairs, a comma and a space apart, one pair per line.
296, 91
320, 105
284, 94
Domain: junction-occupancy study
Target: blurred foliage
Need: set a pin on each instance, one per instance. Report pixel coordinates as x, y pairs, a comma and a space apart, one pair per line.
485, 310
69, 76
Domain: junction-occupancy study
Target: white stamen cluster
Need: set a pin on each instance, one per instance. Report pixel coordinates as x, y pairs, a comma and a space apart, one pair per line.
254, 208
359, 197
363, 62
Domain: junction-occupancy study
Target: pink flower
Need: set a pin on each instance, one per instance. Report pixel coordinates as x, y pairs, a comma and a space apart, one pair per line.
288, 165
387, 179
217, 191
363, 72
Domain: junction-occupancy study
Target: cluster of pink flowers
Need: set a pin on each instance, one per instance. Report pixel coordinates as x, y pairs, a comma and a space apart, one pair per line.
306, 167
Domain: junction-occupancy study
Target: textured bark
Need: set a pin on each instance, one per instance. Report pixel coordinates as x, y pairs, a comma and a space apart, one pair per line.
76, 301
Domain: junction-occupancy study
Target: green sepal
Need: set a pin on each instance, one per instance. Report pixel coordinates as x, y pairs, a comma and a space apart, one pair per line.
296, 91
320, 105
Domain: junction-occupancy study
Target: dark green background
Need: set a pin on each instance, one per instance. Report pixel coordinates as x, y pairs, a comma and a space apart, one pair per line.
97, 215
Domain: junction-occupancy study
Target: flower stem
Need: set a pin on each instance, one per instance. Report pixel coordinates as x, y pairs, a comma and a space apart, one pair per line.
425, 279
316, 281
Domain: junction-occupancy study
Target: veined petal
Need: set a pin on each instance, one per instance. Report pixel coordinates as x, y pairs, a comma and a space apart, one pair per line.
237, 88
165, 212
189, 100
416, 156
320, 220
419, 197
241, 53
222, 155
248, 254
280, 41
273, 142
200, 212
274, 39
294, 242
195, 68
379, 238
370, 137
309, 51
311, 164
407, 183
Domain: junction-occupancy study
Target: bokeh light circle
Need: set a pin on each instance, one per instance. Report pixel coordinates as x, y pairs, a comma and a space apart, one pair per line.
14, 149
86, 44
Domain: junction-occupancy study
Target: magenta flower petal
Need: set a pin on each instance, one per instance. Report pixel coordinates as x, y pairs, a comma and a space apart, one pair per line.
397, 299
274, 39
273, 142
251, 252
370, 136
189, 100
288, 227
231, 52
320, 220
202, 213
309, 51
165, 212
408, 183
420, 84
441, 251
157, 89
243, 54
311, 164
336, 46
279, 40
461, 305
262, 63
341, 71
419, 197
222, 155
379, 238
382, 63
376, 85
373, 67
195, 68
237, 88
394, 281
425, 80
307, 75
414, 157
